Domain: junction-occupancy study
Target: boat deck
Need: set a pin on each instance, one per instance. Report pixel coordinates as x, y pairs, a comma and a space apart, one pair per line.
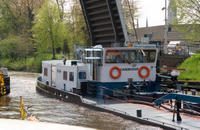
153, 114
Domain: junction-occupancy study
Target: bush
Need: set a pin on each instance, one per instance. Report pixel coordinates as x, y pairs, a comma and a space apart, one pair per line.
31, 64
14, 47
192, 65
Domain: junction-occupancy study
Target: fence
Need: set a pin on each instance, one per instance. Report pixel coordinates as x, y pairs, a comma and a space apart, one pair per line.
179, 49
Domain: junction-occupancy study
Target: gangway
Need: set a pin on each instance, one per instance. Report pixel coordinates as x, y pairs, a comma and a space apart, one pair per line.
105, 22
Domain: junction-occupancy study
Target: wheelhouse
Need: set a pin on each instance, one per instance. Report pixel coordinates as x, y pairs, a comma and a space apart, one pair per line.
129, 60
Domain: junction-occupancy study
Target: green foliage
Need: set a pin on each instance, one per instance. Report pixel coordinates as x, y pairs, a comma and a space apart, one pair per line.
48, 31
188, 11
192, 65
8, 21
130, 12
24, 43
14, 47
188, 14
32, 64
198, 51
77, 27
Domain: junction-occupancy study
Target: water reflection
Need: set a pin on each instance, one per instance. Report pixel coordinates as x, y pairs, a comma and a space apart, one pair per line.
4, 101
53, 110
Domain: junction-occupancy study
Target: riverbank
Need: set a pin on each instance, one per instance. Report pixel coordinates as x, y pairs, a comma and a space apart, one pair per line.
29, 64
192, 66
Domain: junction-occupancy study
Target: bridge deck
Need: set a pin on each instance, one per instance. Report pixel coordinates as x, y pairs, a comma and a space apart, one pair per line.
104, 21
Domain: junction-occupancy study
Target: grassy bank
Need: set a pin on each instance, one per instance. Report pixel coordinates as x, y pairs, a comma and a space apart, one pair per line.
192, 65
31, 64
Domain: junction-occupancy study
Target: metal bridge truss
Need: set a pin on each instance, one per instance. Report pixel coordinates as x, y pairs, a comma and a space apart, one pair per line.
105, 22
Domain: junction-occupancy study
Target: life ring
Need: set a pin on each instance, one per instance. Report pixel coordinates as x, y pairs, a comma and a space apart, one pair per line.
140, 72
111, 72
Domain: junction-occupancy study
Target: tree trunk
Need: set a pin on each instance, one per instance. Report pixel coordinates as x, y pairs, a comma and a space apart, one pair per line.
53, 43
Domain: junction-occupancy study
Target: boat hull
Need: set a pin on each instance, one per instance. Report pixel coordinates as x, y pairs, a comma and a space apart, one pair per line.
54, 92
77, 99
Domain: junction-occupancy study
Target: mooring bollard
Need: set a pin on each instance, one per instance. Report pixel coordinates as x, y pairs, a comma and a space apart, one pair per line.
139, 113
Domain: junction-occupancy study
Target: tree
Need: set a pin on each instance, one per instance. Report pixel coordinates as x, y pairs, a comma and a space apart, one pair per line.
9, 22
188, 14
19, 14
48, 31
62, 13
61, 5
76, 26
14, 47
130, 12
16, 20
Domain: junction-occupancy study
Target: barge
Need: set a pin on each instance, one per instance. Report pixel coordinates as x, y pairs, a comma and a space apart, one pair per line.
125, 88
4, 82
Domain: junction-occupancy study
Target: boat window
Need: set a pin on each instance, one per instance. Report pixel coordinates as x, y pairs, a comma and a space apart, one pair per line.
88, 53
71, 76
150, 55
93, 56
45, 72
97, 53
130, 56
64, 75
82, 75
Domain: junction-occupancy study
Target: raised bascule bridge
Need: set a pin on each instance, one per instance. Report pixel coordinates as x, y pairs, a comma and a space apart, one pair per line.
105, 22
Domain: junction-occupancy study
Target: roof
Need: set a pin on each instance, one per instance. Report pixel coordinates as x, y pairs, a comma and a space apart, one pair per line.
52, 62
156, 33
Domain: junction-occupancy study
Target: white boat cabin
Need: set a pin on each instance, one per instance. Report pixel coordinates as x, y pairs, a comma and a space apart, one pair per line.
103, 66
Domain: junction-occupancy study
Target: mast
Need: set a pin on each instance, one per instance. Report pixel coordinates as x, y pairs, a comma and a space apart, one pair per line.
166, 25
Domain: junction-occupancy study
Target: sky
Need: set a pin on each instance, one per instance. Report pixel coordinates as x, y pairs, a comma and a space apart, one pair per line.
151, 9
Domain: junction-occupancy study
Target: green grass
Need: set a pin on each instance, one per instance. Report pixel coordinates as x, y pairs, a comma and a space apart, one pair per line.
192, 65
31, 64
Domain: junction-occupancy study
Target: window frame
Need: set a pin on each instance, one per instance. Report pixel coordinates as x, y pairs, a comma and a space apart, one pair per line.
71, 76
45, 71
110, 58
84, 75
65, 75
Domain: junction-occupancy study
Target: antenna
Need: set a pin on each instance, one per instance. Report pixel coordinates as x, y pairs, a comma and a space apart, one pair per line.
147, 22
137, 23
166, 24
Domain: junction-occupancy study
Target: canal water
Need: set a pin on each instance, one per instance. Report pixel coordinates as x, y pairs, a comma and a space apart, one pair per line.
52, 110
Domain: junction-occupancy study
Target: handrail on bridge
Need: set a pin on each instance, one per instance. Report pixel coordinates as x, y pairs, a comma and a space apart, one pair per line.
182, 97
